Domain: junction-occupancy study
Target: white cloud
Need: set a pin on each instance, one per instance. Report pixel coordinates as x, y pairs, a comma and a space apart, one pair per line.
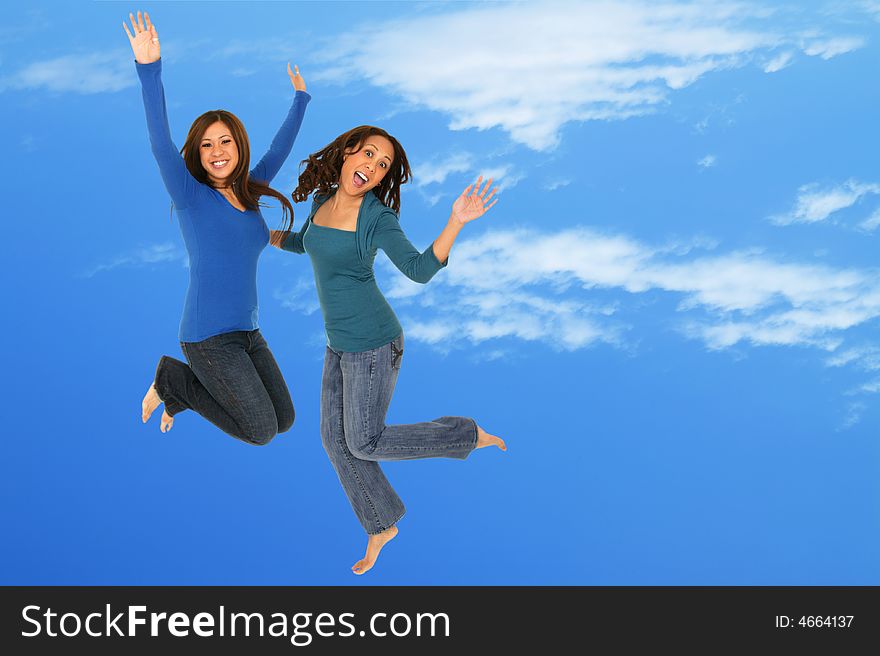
436, 171
865, 357
553, 185
828, 48
779, 62
707, 162
817, 204
542, 65
302, 297
153, 254
504, 176
86, 74
548, 286
854, 414
870, 224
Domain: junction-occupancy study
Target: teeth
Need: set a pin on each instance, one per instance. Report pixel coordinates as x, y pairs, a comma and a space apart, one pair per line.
363, 177
222, 162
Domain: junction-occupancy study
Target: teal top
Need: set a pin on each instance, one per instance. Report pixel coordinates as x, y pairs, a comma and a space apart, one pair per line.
356, 315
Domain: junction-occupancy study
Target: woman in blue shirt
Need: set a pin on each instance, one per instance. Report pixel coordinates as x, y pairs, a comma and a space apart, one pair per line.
231, 377
356, 185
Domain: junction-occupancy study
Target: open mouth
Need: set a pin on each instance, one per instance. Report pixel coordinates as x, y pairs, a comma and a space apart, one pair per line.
219, 164
359, 179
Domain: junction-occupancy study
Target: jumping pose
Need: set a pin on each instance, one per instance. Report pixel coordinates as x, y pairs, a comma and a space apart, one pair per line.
356, 183
232, 379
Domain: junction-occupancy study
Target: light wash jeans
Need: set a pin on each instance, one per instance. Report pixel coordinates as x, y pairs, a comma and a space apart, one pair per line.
356, 389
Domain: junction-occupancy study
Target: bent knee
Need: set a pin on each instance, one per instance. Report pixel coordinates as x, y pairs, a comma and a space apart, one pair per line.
260, 435
360, 450
285, 421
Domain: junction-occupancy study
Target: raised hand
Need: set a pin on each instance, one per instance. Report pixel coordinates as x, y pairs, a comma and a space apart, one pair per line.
145, 42
298, 82
470, 206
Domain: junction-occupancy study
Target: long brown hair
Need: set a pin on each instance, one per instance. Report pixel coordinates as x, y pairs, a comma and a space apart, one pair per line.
247, 190
322, 169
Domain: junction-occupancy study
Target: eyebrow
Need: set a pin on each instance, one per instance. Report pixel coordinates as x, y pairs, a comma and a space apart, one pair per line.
220, 137
375, 147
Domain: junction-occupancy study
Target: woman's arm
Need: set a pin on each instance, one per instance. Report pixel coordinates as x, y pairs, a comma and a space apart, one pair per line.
293, 242
467, 207
421, 267
268, 167
145, 46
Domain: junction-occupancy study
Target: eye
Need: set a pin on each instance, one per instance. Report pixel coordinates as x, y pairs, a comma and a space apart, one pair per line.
226, 141
383, 165
206, 145
369, 153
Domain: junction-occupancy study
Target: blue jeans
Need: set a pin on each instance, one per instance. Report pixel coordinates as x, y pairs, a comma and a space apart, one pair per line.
233, 381
356, 389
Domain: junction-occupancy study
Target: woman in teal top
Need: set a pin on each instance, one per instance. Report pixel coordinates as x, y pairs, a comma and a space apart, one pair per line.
356, 185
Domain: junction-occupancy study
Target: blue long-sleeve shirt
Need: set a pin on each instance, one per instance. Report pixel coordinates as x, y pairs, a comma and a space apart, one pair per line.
356, 315
223, 243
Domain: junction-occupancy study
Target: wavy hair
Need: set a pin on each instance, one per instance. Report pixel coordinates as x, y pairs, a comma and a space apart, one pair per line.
323, 168
247, 190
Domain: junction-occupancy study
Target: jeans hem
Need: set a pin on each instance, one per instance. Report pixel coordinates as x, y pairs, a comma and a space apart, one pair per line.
394, 523
172, 407
476, 438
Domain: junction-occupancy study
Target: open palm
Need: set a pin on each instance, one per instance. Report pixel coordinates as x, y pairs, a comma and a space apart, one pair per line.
470, 206
145, 42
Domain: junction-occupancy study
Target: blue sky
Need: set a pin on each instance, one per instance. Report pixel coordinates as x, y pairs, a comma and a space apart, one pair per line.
670, 315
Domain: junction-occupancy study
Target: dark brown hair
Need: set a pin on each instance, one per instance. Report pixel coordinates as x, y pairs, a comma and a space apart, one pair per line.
246, 190
322, 169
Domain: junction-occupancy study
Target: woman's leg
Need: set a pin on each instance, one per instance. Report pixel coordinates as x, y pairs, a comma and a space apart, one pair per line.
273, 380
374, 501
368, 385
221, 384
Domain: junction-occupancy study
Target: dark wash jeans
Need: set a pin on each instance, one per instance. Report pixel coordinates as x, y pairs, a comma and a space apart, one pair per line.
356, 389
233, 381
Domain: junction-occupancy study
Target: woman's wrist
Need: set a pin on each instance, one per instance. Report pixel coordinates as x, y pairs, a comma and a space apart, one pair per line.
454, 223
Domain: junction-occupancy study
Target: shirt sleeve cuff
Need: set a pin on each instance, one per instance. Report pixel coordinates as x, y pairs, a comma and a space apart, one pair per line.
148, 69
433, 258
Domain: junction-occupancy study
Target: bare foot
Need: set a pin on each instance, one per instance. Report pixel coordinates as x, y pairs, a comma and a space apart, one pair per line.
484, 439
148, 406
374, 546
167, 422
150, 403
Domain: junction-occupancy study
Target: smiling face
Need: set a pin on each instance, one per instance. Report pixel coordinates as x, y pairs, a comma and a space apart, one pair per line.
364, 167
218, 153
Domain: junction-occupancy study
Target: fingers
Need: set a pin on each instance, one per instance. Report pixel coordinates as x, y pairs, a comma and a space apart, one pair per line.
134, 25
486, 188
125, 27
489, 206
153, 31
477, 186
467, 190
486, 199
140, 22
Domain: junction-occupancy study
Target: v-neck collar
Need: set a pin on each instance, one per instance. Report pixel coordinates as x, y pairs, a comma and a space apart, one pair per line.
226, 200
